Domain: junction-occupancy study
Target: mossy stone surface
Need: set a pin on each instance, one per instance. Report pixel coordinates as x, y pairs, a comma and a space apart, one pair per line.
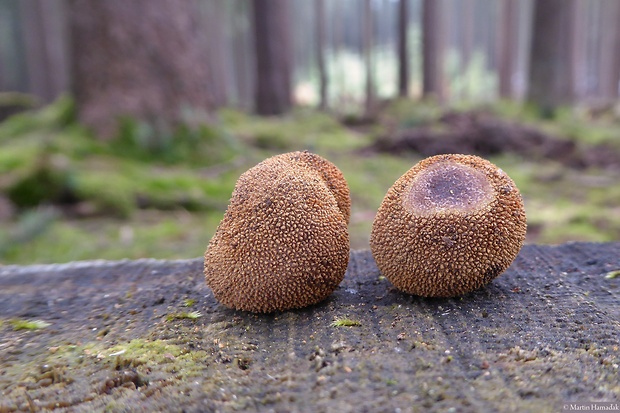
544, 334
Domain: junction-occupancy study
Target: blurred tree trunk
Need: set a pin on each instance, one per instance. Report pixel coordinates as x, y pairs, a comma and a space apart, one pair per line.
141, 58
319, 16
368, 30
12, 61
579, 54
490, 16
508, 33
432, 50
243, 54
403, 48
468, 19
550, 83
273, 57
214, 15
42, 29
609, 67
3, 77
337, 29
615, 72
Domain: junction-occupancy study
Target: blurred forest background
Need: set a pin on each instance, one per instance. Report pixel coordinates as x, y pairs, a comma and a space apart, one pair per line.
125, 124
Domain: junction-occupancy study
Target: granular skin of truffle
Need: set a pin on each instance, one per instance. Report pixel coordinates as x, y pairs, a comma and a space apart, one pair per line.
448, 226
330, 174
283, 242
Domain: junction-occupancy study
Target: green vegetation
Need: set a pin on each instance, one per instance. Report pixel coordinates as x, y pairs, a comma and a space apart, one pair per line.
74, 197
585, 126
345, 322
19, 324
192, 315
612, 274
141, 351
188, 302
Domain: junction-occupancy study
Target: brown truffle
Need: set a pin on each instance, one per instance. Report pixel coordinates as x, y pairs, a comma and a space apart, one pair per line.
283, 242
331, 175
448, 226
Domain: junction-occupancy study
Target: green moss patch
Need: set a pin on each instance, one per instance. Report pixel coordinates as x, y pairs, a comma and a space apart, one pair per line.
162, 195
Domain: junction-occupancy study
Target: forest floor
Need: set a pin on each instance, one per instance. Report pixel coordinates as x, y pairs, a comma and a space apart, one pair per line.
65, 196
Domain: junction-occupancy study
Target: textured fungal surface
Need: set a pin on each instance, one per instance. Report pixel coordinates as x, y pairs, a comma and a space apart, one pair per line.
331, 175
283, 242
448, 186
448, 226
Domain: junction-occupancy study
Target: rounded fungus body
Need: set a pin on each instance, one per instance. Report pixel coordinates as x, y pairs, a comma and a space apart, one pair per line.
448, 226
283, 242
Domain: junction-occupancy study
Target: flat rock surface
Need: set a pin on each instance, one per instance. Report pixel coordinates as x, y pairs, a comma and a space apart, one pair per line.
124, 336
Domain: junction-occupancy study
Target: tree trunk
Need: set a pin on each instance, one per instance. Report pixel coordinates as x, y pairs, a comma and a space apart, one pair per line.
243, 54
368, 30
550, 83
141, 58
8, 49
432, 50
615, 72
468, 19
319, 16
273, 58
214, 18
403, 48
469, 22
579, 54
44, 46
608, 55
508, 32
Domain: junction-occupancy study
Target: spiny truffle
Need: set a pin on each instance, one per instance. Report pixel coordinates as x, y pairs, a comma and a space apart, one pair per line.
448, 226
283, 242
